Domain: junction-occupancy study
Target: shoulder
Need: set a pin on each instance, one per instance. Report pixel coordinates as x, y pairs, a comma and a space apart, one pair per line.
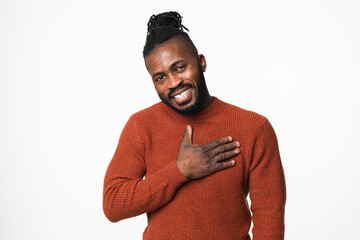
252, 123
148, 113
147, 118
139, 122
245, 116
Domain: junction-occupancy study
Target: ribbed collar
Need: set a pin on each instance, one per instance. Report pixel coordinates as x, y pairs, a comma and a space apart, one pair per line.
214, 107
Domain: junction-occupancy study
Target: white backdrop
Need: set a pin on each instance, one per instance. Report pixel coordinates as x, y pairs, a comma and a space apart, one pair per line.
71, 73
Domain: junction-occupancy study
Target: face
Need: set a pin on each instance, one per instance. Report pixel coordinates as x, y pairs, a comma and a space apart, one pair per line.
178, 76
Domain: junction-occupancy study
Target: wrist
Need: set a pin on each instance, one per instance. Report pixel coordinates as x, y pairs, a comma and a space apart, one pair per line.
182, 169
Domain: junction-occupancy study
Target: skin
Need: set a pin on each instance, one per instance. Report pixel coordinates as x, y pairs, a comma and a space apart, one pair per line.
174, 68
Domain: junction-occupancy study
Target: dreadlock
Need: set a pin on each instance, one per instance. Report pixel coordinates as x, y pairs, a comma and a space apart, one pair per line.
164, 26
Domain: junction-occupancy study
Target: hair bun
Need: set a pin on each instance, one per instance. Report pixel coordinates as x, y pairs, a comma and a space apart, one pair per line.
166, 19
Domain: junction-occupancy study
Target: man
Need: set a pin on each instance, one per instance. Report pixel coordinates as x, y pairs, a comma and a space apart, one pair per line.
196, 183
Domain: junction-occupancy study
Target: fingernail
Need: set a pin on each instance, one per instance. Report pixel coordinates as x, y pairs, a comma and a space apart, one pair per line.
237, 150
237, 144
232, 162
230, 139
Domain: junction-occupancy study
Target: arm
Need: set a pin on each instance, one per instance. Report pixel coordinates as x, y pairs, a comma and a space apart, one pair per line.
126, 193
267, 186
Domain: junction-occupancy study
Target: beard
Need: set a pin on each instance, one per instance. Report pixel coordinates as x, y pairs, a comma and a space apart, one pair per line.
199, 97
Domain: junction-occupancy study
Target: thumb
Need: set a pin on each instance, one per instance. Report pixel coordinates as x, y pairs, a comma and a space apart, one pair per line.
188, 135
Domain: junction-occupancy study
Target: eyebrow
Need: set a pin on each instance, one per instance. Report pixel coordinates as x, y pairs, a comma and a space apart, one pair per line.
172, 66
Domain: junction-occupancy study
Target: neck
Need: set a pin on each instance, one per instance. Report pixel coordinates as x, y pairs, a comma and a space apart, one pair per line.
207, 100
208, 111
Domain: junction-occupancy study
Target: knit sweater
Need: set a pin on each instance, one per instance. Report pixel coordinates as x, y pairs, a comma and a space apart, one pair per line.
212, 207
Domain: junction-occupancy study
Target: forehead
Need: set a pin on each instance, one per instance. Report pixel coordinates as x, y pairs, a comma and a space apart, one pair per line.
166, 54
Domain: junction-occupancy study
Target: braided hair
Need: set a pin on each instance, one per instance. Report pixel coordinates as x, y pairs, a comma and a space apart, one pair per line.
164, 26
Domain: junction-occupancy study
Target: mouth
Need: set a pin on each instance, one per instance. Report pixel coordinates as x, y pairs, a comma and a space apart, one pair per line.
183, 96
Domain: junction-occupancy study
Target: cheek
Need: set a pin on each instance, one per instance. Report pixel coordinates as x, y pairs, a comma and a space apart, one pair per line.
160, 90
191, 74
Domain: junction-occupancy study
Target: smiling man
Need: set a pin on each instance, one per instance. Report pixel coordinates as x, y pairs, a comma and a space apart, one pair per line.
178, 76
196, 183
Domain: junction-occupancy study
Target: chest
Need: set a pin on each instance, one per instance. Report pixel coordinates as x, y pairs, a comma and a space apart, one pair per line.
163, 145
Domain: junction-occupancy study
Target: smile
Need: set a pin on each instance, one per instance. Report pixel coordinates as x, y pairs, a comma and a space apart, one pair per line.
183, 97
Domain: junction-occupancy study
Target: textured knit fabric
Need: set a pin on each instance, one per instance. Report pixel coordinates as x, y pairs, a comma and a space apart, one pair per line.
213, 207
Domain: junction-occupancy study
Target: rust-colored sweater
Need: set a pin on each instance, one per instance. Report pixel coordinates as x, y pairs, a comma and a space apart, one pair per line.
213, 207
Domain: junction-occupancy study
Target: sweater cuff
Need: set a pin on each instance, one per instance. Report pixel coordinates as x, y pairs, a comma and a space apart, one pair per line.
172, 174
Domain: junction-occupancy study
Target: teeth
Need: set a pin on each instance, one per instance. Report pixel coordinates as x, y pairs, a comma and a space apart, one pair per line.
181, 95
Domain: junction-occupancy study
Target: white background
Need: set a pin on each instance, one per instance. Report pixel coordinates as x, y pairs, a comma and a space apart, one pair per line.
71, 73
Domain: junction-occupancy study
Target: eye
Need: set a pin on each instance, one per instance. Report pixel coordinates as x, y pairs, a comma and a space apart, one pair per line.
180, 68
159, 78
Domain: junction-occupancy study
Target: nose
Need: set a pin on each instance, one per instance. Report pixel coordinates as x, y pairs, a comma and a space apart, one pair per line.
174, 81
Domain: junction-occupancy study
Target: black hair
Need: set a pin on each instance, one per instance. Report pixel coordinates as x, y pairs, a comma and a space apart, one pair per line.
164, 26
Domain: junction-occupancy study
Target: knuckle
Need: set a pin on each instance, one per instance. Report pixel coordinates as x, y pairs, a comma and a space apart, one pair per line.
207, 154
201, 152
217, 166
222, 148
217, 158
202, 148
210, 168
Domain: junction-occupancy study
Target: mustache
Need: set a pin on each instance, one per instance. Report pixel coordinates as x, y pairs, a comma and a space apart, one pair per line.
181, 86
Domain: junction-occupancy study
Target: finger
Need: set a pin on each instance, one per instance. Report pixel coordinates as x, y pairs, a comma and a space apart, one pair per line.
226, 155
224, 148
187, 138
217, 143
223, 165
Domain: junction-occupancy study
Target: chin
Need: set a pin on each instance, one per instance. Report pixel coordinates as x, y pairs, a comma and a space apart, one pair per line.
190, 108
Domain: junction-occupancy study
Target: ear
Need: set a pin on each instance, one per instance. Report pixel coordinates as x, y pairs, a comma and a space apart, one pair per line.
202, 62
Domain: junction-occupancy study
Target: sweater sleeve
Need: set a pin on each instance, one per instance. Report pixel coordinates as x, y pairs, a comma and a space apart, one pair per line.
126, 193
267, 186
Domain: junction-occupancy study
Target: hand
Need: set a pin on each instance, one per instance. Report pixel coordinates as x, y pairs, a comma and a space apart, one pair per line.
196, 161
